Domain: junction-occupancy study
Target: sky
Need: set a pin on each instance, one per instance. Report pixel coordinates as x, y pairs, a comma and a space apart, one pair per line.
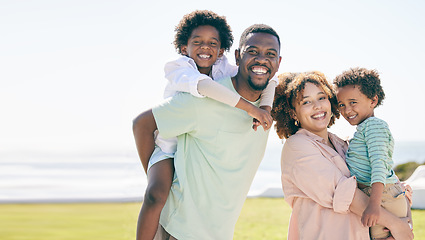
74, 74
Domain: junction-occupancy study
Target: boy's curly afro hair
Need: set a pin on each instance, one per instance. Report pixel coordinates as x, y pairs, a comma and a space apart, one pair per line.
367, 80
289, 91
201, 18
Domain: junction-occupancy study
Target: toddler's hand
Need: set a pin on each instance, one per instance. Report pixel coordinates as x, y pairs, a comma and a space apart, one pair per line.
371, 215
261, 118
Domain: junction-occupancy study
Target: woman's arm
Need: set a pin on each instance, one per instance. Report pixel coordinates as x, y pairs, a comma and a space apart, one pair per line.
399, 229
144, 127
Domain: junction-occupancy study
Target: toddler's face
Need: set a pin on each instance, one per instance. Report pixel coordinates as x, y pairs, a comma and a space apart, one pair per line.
353, 105
204, 47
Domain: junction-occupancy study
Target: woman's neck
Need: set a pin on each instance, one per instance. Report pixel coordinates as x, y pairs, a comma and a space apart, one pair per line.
329, 143
323, 134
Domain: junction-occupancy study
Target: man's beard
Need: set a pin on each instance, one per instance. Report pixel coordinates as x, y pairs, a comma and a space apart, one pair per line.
257, 87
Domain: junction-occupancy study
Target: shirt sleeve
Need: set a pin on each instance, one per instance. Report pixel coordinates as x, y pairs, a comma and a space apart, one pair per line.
377, 136
222, 68
182, 76
176, 116
214, 90
319, 179
267, 96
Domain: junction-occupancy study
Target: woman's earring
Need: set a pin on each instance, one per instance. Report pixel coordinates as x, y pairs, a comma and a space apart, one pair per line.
296, 123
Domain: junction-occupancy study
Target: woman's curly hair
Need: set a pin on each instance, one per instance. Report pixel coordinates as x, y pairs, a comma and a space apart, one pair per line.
201, 18
289, 91
367, 80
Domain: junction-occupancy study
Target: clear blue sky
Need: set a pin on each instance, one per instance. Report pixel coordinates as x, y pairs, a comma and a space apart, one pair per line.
73, 74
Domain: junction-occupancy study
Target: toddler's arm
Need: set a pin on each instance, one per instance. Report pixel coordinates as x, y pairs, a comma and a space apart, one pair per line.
144, 127
218, 92
267, 96
399, 229
183, 76
371, 213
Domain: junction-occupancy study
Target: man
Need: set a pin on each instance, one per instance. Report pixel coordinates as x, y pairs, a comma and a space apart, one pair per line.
218, 153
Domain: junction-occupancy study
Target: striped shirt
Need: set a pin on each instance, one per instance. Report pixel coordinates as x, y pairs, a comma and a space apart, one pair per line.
369, 155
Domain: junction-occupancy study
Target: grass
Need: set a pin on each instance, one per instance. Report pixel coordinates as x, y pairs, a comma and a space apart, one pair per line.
112, 221
261, 218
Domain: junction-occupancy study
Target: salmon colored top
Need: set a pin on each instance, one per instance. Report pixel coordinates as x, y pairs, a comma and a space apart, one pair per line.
318, 186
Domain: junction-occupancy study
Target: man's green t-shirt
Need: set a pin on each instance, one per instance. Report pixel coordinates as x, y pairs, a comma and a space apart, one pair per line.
218, 154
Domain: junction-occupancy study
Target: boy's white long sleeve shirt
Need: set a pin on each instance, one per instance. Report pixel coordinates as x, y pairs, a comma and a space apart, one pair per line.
183, 75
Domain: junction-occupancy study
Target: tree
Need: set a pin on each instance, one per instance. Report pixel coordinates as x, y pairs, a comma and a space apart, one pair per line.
405, 170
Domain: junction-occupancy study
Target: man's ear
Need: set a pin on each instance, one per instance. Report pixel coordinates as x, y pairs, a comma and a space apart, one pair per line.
183, 50
221, 52
237, 56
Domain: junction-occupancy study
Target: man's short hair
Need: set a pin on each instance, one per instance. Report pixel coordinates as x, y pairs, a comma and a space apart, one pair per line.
257, 28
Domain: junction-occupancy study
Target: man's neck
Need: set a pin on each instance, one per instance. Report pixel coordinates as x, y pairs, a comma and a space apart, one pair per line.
245, 90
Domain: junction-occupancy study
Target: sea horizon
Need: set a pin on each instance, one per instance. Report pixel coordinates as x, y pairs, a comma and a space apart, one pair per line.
116, 175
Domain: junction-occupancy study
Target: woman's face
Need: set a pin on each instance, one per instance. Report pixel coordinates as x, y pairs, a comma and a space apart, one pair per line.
313, 110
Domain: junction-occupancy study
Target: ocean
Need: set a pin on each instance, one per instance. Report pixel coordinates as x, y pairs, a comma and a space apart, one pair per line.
118, 176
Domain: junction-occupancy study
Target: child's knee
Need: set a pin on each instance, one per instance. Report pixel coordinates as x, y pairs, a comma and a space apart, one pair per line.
157, 194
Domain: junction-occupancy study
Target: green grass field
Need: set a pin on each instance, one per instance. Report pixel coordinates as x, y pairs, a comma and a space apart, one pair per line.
261, 218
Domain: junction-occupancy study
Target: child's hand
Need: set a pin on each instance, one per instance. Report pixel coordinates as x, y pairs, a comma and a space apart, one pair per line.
261, 117
371, 215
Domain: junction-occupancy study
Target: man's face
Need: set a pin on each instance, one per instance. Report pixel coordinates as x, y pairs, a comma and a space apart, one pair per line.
258, 59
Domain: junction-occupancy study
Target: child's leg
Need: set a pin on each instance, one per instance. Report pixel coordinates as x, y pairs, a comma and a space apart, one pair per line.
395, 202
160, 177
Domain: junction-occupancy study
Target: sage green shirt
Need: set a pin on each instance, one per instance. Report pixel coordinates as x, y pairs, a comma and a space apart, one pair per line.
218, 154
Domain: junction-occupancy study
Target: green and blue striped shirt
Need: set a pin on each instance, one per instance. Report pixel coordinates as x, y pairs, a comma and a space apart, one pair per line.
369, 155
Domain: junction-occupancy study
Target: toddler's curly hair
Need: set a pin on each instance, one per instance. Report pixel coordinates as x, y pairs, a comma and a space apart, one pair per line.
367, 80
201, 18
289, 91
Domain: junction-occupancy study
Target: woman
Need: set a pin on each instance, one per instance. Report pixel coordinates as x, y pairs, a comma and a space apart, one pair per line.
325, 200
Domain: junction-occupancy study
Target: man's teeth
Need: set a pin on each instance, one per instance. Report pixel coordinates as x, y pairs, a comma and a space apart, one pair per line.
259, 70
352, 117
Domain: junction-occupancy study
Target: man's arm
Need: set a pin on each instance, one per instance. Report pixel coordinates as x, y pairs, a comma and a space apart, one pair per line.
144, 127
399, 229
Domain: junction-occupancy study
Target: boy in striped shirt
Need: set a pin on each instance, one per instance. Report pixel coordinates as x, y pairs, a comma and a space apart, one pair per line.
369, 155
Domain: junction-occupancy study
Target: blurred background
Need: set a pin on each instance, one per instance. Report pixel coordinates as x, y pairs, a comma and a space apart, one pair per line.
74, 74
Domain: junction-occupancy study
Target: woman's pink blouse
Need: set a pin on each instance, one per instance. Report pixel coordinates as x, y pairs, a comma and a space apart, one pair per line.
317, 185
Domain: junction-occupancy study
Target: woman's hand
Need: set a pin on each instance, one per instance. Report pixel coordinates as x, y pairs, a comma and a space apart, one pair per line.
402, 231
408, 191
406, 219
